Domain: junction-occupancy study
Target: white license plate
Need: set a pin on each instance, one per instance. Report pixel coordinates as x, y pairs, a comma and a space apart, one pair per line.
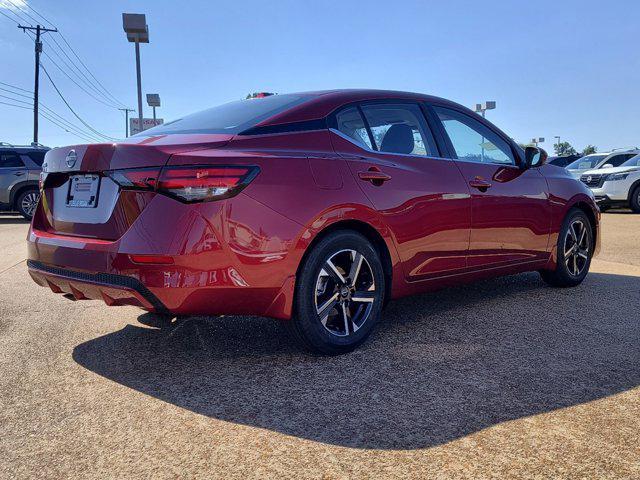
83, 191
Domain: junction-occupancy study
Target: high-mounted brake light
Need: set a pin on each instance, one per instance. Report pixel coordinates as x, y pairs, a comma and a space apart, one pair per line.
205, 183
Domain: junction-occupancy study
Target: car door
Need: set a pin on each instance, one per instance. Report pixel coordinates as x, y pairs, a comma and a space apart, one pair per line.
511, 211
421, 195
12, 171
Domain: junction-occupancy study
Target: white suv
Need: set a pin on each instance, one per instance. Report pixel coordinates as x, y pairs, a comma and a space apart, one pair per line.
599, 160
616, 186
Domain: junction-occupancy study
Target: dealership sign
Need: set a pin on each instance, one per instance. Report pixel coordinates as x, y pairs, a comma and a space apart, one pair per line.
134, 124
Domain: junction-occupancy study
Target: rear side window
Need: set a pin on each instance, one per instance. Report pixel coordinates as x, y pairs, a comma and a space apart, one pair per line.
37, 157
230, 118
10, 160
618, 160
350, 122
472, 141
400, 128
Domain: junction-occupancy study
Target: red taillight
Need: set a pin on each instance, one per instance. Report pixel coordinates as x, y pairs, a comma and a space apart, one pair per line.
144, 178
205, 183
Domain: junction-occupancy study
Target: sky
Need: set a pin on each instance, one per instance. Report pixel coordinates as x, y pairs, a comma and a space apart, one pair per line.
569, 68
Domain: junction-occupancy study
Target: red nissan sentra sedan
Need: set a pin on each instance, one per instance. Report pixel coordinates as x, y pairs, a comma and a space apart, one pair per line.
316, 208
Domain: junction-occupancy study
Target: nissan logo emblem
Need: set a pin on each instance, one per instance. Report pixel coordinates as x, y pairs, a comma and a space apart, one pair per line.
71, 158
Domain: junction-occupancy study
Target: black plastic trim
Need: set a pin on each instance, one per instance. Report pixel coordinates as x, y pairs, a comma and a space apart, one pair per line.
106, 279
305, 126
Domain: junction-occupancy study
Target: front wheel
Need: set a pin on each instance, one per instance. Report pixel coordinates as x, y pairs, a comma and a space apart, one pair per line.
339, 294
575, 249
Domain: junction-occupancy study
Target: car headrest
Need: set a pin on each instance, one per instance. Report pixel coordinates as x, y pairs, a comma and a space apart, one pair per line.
398, 139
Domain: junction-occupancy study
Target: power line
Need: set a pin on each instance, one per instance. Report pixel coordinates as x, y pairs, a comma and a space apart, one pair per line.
49, 111
85, 80
64, 39
10, 18
72, 80
23, 11
71, 109
16, 93
12, 105
20, 17
17, 88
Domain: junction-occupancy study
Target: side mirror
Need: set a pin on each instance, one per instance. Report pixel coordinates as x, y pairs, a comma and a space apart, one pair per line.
607, 165
534, 157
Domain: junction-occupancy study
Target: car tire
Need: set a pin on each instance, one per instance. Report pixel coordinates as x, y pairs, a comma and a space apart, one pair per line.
575, 250
634, 202
26, 202
333, 312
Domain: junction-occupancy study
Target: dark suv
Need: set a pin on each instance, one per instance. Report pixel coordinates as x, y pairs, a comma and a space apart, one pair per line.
20, 168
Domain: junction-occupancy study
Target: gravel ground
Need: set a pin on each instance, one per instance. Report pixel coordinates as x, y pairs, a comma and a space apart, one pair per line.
504, 378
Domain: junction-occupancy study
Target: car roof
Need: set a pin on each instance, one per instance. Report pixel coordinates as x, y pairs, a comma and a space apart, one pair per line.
323, 102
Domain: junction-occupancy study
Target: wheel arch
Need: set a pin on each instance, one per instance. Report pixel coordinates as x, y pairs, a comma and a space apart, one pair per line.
18, 189
591, 214
632, 189
370, 233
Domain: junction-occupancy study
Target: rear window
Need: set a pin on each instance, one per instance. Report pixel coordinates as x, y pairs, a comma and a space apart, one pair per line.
230, 118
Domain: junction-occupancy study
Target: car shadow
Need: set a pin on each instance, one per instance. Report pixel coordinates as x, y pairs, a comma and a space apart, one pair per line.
6, 219
441, 365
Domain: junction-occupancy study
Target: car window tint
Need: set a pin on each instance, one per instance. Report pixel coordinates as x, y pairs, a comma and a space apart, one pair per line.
400, 128
37, 157
230, 118
618, 160
10, 160
350, 122
472, 141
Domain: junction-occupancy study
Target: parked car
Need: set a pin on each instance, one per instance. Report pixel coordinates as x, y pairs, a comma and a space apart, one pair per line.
599, 160
563, 161
19, 174
316, 208
616, 186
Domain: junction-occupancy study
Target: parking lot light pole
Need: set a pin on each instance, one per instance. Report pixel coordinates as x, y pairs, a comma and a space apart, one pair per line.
557, 137
482, 108
537, 140
153, 100
137, 30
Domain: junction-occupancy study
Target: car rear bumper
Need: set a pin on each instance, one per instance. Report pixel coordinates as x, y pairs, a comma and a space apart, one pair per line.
232, 259
112, 289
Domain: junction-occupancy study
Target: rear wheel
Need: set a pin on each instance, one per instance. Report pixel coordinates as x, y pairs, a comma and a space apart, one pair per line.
27, 202
339, 294
575, 249
635, 200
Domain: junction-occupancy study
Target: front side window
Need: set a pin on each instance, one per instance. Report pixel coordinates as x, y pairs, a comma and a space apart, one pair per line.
400, 128
472, 141
586, 163
10, 160
350, 122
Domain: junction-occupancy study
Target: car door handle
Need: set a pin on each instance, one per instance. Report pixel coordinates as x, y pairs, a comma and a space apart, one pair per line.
374, 175
18, 174
480, 184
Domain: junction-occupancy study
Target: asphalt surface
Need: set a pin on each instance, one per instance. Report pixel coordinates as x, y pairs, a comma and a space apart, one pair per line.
503, 378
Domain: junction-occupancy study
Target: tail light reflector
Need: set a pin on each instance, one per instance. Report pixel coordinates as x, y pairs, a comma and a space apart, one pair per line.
152, 259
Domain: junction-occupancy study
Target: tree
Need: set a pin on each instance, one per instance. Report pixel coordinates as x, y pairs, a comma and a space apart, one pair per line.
589, 149
563, 149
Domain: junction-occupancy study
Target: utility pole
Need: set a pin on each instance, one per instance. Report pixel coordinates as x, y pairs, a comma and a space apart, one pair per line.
39, 30
126, 119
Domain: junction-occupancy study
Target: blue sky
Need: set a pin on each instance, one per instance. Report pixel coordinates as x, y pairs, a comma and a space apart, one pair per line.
569, 68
